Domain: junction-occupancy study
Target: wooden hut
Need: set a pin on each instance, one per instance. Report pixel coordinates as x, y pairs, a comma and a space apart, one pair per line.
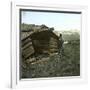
43, 41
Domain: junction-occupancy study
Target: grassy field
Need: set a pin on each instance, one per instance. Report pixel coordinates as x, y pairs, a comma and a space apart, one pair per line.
66, 64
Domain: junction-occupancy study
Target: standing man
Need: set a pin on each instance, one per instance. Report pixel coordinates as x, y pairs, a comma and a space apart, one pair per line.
61, 41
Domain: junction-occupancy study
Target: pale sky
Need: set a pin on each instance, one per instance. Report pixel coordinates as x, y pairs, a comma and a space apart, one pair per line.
60, 21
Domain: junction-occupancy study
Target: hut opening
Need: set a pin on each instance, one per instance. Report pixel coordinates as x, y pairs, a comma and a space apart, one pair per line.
45, 42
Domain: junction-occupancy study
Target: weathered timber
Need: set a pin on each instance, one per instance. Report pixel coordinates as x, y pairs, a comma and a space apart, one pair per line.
44, 41
39, 40
27, 48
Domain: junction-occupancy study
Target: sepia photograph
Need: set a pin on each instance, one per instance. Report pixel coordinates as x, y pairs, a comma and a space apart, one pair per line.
49, 43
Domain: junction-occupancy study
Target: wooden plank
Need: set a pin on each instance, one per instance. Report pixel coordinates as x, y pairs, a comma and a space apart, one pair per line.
27, 45
26, 41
